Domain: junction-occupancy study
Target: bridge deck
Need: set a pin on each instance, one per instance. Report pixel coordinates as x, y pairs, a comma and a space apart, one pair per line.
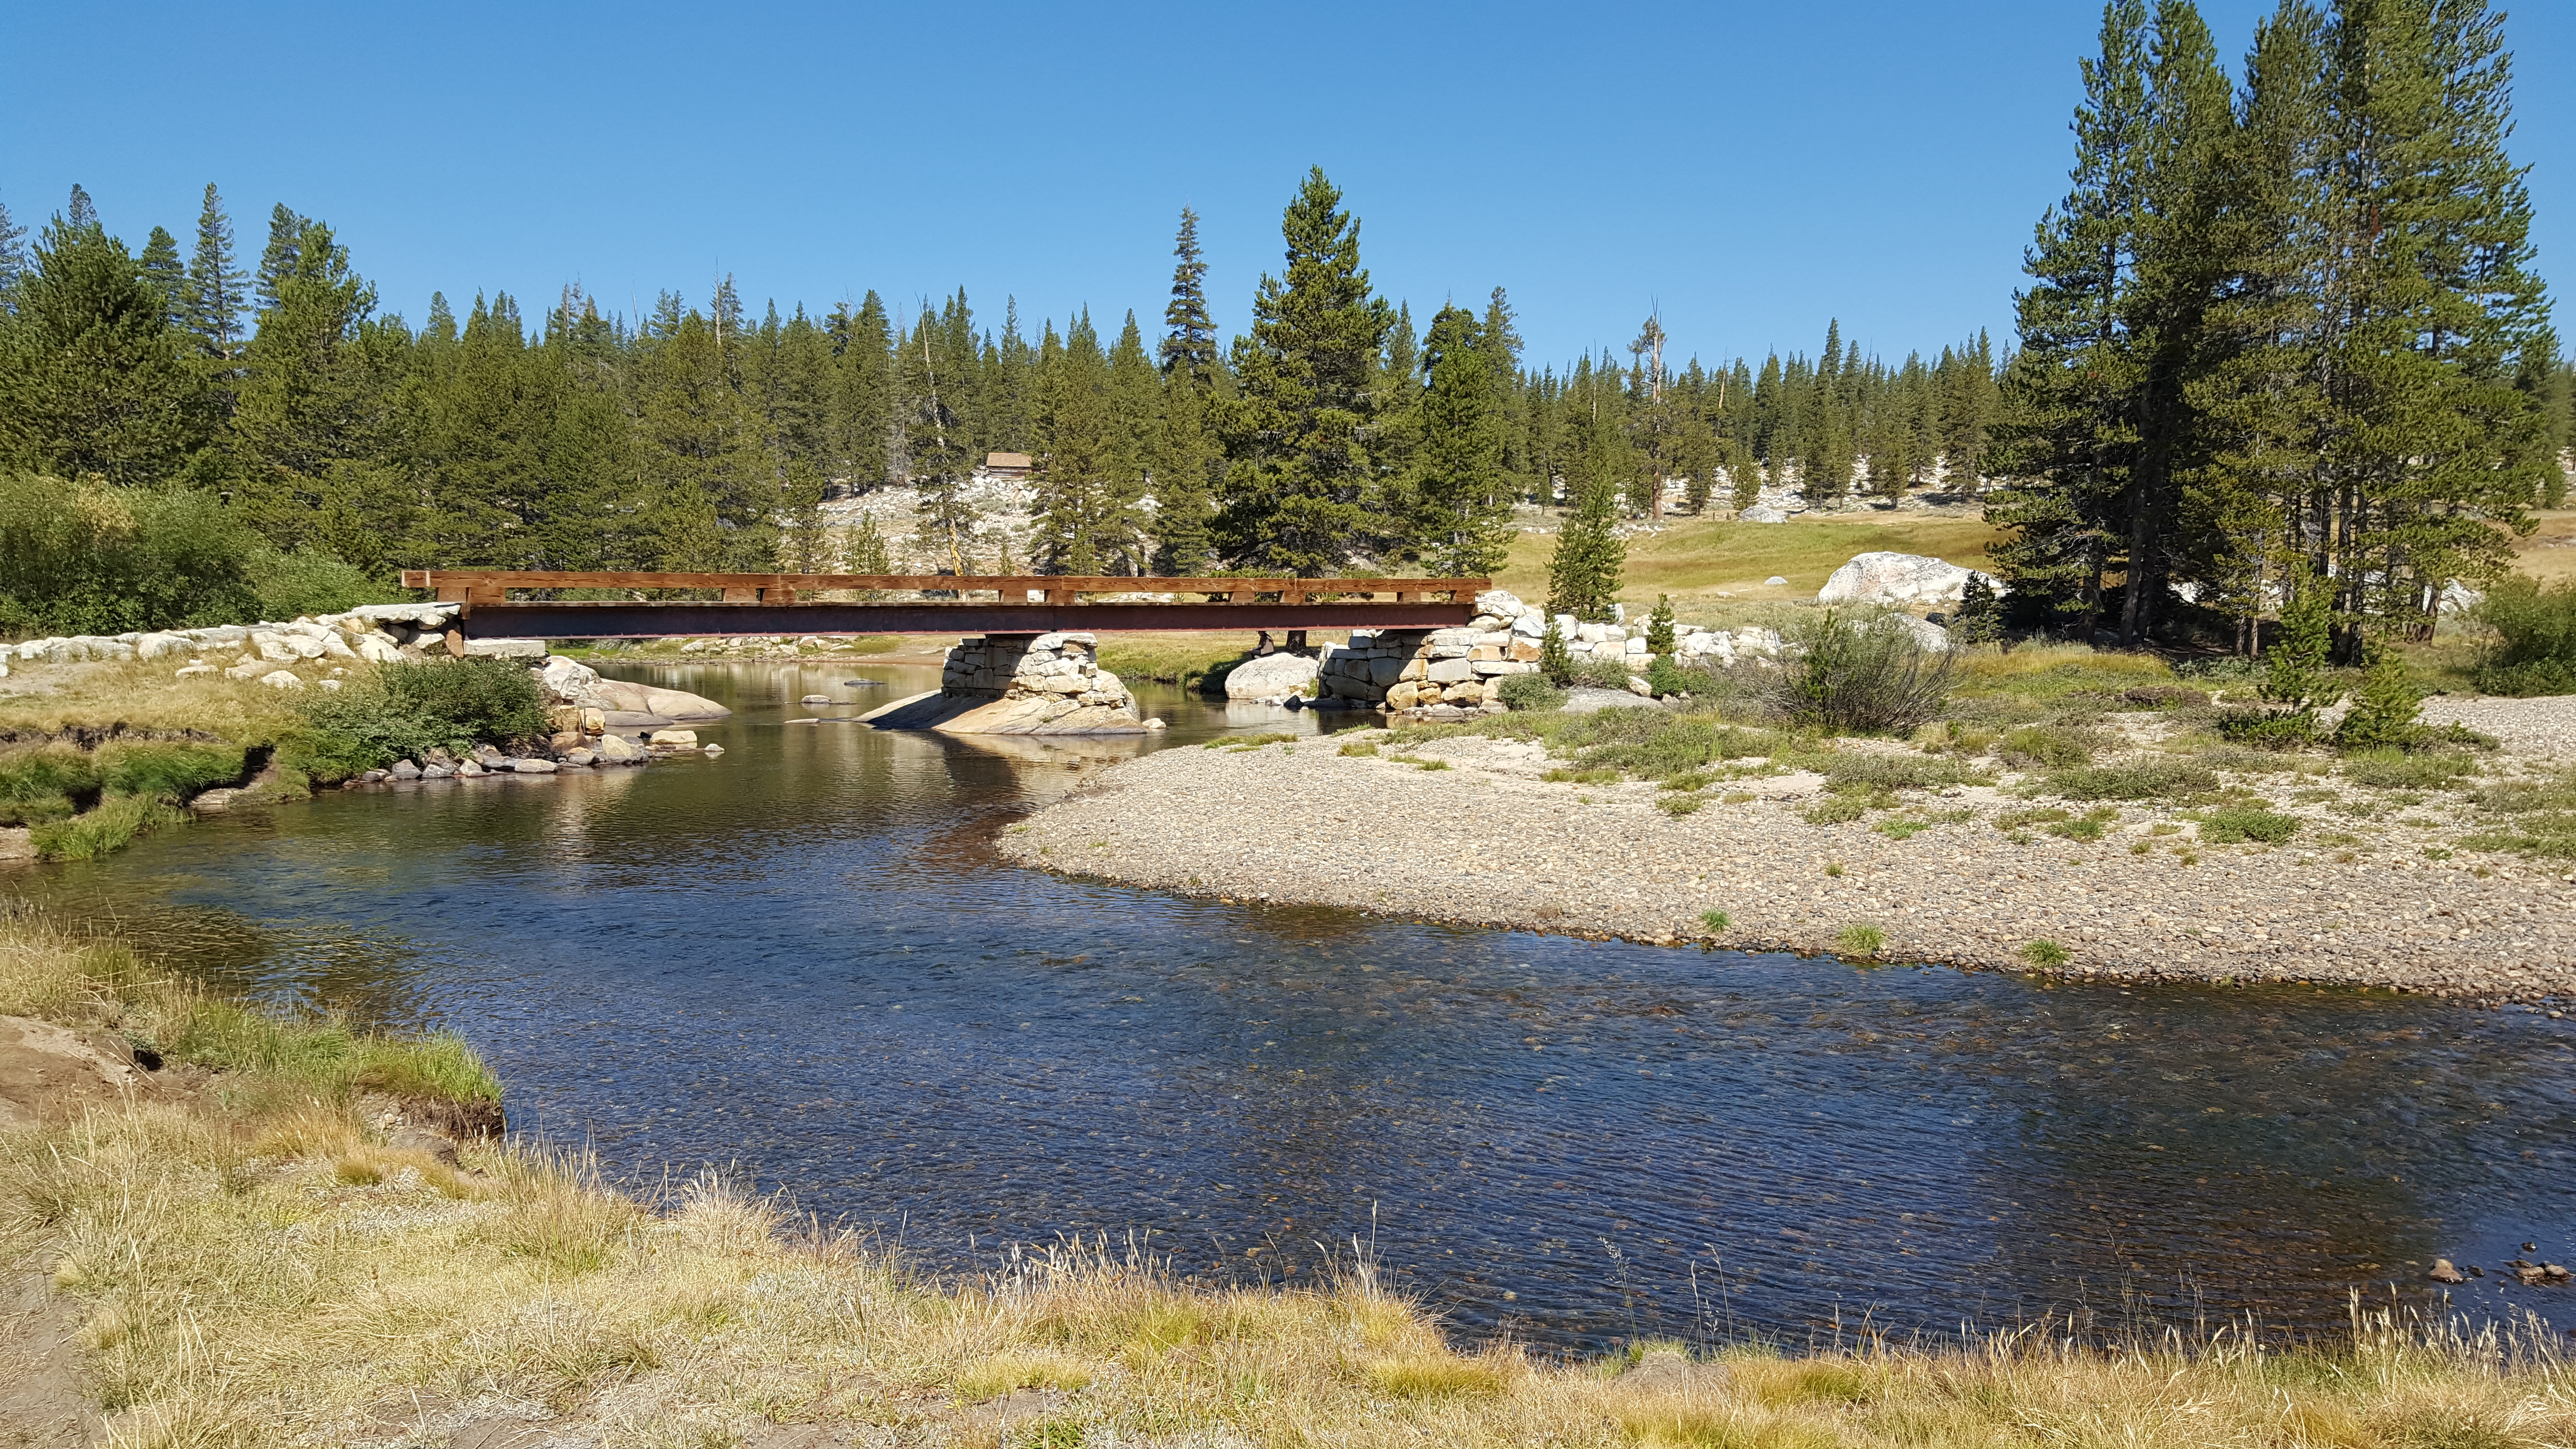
771, 604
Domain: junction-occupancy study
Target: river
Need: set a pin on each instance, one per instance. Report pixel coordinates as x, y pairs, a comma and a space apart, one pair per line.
800, 963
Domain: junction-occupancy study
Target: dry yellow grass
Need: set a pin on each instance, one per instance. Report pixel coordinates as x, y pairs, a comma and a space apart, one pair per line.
145, 695
2549, 554
1694, 560
263, 1273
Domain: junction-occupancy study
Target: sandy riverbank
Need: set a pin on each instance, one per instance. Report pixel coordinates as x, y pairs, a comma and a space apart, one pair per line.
2373, 891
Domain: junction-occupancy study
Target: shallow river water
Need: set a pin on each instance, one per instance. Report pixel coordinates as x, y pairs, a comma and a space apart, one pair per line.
801, 963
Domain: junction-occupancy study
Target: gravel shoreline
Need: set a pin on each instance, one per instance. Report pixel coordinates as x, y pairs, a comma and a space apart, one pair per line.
1484, 841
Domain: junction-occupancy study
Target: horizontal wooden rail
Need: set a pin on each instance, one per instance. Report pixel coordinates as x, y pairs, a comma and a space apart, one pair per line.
493, 586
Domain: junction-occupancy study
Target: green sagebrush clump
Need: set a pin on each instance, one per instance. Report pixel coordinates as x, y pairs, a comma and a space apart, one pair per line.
2539, 817
2238, 824
2399, 770
1655, 744
2536, 629
1530, 691
2040, 746
1882, 771
2138, 780
1599, 671
404, 710
1863, 678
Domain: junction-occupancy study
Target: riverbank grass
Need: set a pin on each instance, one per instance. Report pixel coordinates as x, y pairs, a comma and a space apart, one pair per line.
253, 1266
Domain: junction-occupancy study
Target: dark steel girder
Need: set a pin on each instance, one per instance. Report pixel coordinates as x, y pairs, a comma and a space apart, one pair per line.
618, 620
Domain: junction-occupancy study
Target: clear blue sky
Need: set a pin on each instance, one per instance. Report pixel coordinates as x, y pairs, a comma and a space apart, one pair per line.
1752, 169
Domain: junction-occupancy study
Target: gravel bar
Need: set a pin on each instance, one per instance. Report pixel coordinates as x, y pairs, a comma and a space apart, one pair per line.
1480, 839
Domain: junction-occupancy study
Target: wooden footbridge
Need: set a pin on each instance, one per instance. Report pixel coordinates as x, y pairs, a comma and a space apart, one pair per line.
775, 604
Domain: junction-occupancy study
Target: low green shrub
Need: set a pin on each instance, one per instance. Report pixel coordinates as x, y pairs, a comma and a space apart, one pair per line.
401, 711
1685, 804
1530, 691
2268, 729
1664, 677
1888, 771
2536, 627
2140, 780
1716, 920
2238, 824
2035, 747
1864, 678
1657, 744
1597, 671
2389, 769
1837, 810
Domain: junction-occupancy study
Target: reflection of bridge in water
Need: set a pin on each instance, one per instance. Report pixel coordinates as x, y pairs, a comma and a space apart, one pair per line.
774, 604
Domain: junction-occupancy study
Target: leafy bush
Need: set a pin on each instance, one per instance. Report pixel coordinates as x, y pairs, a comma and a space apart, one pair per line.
1664, 677
171, 769
2537, 628
1871, 678
2237, 824
1530, 691
2048, 746
2141, 780
292, 585
2044, 953
404, 710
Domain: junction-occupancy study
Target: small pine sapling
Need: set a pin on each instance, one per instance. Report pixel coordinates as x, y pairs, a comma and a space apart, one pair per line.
1980, 617
1554, 659
2383, 713
1659, 627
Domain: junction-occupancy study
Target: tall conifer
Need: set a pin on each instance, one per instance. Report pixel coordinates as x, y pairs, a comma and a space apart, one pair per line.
1300, 475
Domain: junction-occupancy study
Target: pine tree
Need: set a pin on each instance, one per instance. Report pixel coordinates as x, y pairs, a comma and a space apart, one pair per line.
214, 294
1187, 456
278, 259
91, 379
1659, 627
933, 440
1555, 661
13, 261
862, 418
864, 550
2074, 382
1081, 432
1300, 477
1584, 572
166, 275
1463, 512
2384, 709
80, 212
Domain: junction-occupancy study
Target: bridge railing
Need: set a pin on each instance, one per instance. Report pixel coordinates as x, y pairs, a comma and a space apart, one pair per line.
493, 586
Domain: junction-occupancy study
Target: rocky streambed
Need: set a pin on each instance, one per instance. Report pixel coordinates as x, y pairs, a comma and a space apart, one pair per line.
1467, 829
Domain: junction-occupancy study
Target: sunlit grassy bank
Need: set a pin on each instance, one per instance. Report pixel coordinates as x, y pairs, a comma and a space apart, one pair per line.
251, 1266
1695, 559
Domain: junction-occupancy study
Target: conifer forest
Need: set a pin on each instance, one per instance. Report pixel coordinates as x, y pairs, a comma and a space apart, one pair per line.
2283, 333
